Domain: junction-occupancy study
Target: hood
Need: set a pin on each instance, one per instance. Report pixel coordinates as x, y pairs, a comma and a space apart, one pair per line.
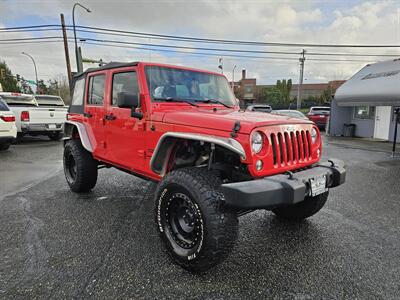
225, 119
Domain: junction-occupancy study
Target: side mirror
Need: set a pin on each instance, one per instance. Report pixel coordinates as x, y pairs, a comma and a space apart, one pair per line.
126, 100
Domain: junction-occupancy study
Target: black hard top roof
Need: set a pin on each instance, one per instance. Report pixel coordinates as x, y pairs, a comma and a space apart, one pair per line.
108, 66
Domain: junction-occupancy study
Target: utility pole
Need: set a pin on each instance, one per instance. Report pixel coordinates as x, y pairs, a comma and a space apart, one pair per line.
233, 79
300, 85
64, 31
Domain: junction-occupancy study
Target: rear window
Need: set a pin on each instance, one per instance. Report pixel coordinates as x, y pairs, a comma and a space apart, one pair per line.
23, 100
262, 108
49, 100
321, 109
79, 90
3, 106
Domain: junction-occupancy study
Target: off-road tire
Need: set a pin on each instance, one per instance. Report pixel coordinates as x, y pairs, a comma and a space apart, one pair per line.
4, 146
215, 225
302, 210
56, 136
80, 168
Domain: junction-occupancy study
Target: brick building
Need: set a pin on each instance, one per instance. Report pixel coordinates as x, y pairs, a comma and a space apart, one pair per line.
247, 90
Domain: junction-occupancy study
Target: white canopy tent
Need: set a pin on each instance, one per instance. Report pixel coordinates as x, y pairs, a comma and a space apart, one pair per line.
374, 85
369, 101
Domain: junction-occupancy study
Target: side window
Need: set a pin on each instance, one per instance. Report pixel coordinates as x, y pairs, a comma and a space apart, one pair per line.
96, 90
79, 87
124, 82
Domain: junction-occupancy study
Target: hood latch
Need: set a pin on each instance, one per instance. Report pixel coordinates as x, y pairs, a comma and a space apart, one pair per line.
235, 130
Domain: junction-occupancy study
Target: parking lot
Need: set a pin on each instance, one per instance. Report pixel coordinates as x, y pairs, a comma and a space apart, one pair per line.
57, 244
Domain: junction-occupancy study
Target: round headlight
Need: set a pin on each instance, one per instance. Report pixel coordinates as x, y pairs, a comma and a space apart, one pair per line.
256, 142
314, 135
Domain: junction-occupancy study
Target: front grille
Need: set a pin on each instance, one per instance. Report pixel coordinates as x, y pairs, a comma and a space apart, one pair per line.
291, 147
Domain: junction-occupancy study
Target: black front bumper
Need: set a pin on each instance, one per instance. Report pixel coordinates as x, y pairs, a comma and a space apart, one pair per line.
281, 190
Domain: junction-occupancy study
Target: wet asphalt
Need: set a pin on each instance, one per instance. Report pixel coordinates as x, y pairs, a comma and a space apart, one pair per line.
103, 245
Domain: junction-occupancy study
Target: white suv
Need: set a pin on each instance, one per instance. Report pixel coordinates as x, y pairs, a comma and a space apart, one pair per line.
8, 130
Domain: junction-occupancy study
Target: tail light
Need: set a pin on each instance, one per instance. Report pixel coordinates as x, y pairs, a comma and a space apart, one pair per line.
25, 116
8, 118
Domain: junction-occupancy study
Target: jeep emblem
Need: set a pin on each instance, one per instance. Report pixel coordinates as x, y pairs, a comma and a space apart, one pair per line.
51, 114
290, 128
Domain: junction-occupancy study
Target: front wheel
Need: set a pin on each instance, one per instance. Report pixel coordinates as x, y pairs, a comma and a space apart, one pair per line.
79, 167
196, 228
302, 210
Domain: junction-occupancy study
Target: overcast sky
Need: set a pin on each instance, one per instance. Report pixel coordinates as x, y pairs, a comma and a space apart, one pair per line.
329, 22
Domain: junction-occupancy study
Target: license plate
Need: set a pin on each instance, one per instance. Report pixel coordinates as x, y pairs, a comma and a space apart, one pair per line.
318, 185
52, 126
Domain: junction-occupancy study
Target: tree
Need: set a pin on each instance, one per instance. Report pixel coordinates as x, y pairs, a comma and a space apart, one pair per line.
271, 96
8, 82
59, 86
284, 88
42, 87
326, 95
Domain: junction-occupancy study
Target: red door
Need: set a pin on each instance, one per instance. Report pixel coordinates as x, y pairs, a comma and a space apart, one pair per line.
95, 110
124, 134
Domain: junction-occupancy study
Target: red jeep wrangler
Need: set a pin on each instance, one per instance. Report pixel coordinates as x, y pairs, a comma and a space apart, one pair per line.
183, 128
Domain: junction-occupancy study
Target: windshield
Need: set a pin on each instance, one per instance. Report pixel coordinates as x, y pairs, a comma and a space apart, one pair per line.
177, 84
19, 100
49, 101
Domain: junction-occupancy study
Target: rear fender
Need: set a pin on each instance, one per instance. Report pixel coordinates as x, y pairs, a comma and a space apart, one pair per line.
70, 127
159, 159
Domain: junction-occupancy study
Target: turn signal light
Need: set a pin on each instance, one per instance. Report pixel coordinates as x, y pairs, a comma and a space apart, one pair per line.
8, 118
25, 116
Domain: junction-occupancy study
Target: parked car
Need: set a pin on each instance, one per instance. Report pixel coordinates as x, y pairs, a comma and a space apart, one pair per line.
8, 129
259, 107
182, 128
290, 113
319, 115
32, 119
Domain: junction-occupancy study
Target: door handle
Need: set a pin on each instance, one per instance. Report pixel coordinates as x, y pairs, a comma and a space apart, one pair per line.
87, 115
110, 117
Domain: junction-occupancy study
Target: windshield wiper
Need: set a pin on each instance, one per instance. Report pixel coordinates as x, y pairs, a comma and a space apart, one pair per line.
207, 100
172, 99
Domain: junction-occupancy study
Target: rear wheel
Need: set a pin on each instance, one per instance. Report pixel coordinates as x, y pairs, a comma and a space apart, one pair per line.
4, 146
196, 228
302, 210
56, 136
79, 167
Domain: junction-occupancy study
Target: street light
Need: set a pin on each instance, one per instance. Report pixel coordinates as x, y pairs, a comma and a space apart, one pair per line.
34, 64
78, 62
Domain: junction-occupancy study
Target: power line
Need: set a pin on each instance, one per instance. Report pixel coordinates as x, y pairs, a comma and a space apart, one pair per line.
208, 40
221, 54
124, 45
174, 39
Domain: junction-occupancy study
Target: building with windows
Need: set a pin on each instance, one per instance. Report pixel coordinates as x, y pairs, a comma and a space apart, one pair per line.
368, 100
245, 89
